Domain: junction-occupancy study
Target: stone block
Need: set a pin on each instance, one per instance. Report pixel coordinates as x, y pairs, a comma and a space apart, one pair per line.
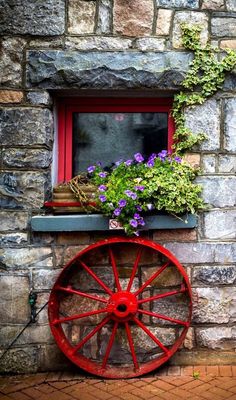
229, 125
145, 347
164, 18
227, 163
26, 158
205, 119
150, 44
13, 220
203, 253
11, 61
11, 239
218, 191
44, 279
42, 298
214, 305
194, 18
104, 17
81, 16
33, 334
169, 277
223, 26
216, 338
11, 96
175, 235
208, 163
193, 4
75, 238
26, 126
176, 307
39, 98
23, 189
213, 5
97, 43
46, 42
193, 159
203, 357
189, 341
134, 18
44, 17
126, 69
27, 257
228, 44
210, 275
14, 292
231, 5
51, 358
220, 225
20, 360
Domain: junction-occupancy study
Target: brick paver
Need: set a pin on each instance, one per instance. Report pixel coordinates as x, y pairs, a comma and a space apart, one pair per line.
170, 383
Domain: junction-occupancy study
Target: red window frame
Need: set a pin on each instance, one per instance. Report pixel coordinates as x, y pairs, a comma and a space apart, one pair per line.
67, 106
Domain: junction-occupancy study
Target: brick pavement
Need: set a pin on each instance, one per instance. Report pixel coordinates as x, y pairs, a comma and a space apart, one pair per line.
169, 383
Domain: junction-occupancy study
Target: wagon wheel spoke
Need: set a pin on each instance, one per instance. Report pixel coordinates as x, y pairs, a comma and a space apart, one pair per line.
91, 334
78, 316
150, 334
87, 295
96, 278
135, 267
114, 267
110, 344
131, 346
162, 295
154, 276
161, 316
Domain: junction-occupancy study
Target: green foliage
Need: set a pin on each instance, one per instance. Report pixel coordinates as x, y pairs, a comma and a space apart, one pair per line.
164, 183
205, 76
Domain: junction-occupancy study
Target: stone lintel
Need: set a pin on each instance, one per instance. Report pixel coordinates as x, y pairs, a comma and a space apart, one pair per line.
50, 69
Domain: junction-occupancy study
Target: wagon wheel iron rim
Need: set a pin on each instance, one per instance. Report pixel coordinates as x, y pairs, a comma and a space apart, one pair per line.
123, 309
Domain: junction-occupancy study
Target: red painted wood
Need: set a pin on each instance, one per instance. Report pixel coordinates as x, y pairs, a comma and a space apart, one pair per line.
67, 106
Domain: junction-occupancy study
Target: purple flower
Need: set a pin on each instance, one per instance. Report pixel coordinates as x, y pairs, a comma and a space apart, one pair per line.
102, 174
153, 156
117, 212
150, 206
122, 203
138, 207
102, 188
117, 163
141, 188
91, 169
128, 192
178, 159
102, 198
138, 157
162, 155
133, 196
136, 216
150, 163
128, 162
141, 221
133, 223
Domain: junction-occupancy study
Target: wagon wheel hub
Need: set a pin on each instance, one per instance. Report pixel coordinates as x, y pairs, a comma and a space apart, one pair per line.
122, 306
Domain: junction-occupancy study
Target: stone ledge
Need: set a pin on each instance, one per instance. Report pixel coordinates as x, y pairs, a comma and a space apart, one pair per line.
51, 69
96, 222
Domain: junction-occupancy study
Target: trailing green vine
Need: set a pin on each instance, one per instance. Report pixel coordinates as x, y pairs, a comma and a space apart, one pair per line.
205, 76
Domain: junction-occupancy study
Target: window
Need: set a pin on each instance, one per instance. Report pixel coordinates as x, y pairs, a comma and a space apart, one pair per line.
109, 129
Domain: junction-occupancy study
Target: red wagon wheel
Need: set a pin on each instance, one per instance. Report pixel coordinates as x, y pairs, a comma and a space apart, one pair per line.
121, 307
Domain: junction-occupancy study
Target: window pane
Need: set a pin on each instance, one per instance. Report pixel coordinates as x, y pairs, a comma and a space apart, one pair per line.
108, 137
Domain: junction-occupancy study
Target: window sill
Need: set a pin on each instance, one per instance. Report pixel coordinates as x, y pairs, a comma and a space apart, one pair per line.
98, 222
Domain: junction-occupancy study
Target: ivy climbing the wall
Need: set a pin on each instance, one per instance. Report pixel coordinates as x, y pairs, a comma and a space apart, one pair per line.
205, 76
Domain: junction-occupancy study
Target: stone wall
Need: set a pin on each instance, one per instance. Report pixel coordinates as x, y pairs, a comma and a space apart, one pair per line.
111, 45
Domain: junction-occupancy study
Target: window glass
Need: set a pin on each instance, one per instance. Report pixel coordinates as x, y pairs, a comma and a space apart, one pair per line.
108, 137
